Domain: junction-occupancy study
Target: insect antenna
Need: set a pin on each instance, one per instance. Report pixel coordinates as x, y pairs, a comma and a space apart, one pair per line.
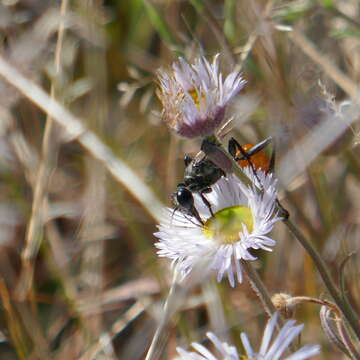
172, 215
197, 218
187, 217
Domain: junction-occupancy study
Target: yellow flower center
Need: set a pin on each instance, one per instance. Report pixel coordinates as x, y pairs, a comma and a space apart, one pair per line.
226, 224
195, 96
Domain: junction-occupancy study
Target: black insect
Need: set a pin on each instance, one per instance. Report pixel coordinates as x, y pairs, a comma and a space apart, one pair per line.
199, 175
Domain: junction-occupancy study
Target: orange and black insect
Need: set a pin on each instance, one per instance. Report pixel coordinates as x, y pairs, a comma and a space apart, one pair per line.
251, 155
200, 173
256, 157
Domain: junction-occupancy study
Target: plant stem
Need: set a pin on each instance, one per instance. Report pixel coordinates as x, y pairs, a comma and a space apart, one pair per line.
215, 151
34, 233
259, 287
261, 291
341, 301
176, 294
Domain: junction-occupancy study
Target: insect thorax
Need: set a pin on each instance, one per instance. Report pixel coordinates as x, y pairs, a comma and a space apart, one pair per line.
200, 175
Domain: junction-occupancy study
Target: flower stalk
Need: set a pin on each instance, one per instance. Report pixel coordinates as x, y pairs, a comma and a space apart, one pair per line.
171, 304
259, 288
341, 301
212, 148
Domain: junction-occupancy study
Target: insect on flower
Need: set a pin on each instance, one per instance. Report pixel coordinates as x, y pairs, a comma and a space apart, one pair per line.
255, 158
241, 220
252, 155
200, 173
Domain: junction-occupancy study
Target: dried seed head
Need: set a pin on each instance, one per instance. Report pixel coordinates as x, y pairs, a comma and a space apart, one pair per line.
284, 304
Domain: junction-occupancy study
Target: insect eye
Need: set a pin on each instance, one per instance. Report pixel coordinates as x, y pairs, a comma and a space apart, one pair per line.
185, 198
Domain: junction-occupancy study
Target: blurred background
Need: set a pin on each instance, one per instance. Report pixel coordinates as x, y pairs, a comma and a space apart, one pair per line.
79, 274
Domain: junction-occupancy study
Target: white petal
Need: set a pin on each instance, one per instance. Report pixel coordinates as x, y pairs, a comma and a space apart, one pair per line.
182, 239
305, 353
287, 333
247, 346
269, 329
203, 351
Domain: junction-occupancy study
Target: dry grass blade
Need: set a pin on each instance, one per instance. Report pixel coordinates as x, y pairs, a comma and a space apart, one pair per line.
76, 130
254, 36
92, 278
15, 328
349, 86
80, 277
106, 338
324, 134
46, 167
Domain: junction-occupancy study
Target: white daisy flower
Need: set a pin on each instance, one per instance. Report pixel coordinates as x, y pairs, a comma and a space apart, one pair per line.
274, 350
226, 351
242, 219
268, 350
194, 96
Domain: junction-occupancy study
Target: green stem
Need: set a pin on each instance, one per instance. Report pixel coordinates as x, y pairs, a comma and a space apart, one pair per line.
215, 150
263, 294
259, 287
341, 301
176, 295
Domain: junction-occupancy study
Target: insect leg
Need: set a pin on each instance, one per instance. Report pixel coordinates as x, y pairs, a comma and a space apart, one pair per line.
205, 200
234, 145
195, 214
272, 161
